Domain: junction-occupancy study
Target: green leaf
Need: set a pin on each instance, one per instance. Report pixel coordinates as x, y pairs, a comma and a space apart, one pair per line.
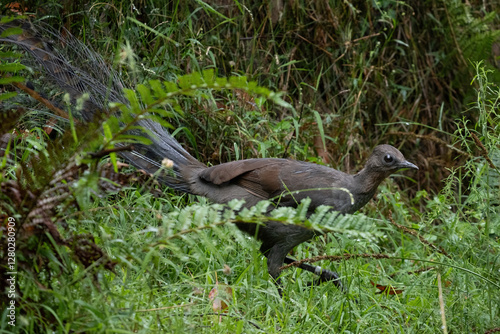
145, 93
209, 77
239, 82
190, 81
161, 121
107, 131
8, 95
8, 80
135, 139
133, 100
220, 83
171, 87
210, 9
10, 54
112, 156
319, 121
157, 88
11, 31
12, 67
162, 112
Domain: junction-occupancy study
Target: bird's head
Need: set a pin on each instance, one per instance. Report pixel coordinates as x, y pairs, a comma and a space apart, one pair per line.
386, 159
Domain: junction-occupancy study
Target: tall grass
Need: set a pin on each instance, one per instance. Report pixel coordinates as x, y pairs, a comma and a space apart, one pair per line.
165, 255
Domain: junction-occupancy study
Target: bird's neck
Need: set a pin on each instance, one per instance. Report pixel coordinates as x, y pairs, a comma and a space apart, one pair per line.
367, 181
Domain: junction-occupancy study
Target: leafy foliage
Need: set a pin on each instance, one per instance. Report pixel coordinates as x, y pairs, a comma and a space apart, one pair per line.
355, 74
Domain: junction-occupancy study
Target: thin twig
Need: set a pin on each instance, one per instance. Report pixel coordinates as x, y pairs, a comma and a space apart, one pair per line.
415, 234
413, 272
43, 100
431, 138
335, 258
103, 153
441, 304
484, 151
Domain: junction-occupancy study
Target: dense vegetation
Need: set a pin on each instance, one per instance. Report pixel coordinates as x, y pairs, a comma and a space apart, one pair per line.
106, 249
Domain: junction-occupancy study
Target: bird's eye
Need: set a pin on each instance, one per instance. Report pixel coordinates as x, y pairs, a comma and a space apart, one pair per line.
388, 158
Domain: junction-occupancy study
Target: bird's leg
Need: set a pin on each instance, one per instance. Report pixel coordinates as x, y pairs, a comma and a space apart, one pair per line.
324, 275
275, 258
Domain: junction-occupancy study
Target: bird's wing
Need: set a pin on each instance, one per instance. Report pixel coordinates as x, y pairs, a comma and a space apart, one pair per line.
289, 181
259, 177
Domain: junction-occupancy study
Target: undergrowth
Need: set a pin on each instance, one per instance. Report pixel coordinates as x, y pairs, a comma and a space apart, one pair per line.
162, 265
102, 249
375, 71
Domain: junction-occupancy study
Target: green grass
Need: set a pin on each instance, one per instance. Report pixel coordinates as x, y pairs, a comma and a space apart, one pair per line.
406, 85
163, 284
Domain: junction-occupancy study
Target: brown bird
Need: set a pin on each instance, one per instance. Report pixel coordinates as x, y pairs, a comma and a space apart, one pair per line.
286, 182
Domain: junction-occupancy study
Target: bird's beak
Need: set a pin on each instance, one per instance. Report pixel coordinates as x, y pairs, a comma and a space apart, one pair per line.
407, 164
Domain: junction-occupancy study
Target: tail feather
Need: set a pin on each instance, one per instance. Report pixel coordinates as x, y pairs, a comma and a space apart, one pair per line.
69, 64
78, 70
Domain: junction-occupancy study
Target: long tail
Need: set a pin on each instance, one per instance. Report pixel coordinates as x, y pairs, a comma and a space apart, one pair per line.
78, 70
